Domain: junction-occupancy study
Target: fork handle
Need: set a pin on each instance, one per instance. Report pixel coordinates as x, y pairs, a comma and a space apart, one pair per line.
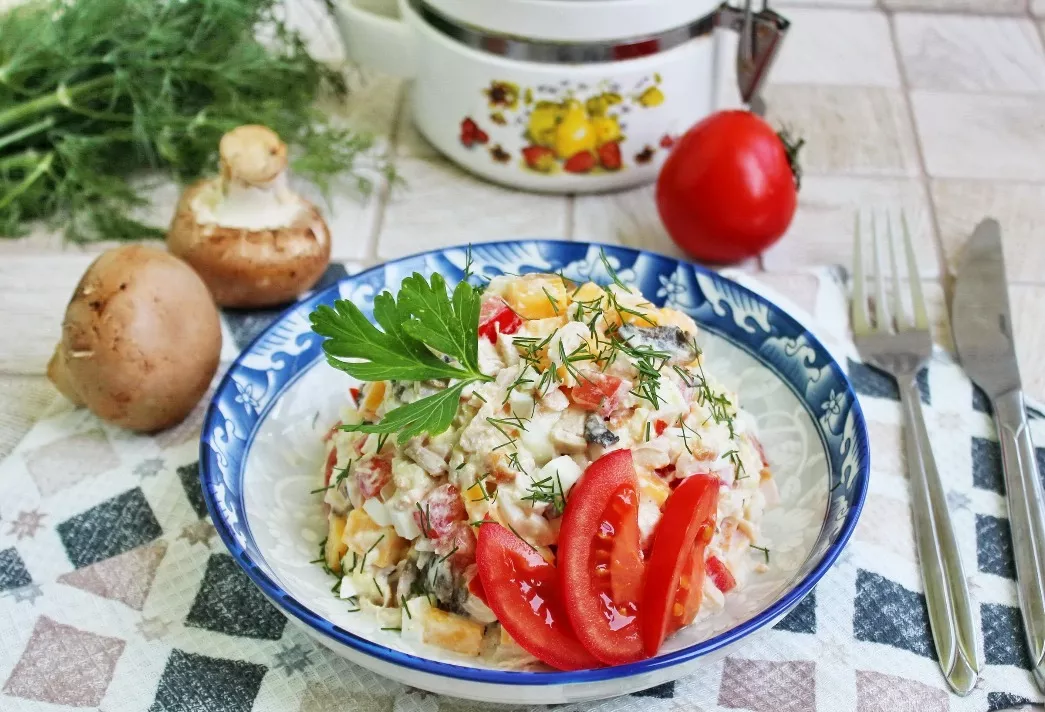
946, 590
1027, 518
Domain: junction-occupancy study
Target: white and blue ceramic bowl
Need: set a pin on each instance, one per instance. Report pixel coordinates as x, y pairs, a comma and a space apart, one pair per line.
261, 454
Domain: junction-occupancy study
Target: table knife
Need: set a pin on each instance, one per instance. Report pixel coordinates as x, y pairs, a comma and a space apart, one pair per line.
983, 334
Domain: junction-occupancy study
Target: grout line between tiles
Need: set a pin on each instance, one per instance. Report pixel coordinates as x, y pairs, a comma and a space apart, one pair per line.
941, 255
385, 194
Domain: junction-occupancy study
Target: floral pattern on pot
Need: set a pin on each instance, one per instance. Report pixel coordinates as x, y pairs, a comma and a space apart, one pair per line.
571, 128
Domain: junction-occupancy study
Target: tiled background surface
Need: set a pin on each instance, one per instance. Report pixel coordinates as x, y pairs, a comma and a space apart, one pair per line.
933, 106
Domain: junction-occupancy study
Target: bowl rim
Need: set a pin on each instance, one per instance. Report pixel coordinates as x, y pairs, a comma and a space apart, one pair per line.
289, 605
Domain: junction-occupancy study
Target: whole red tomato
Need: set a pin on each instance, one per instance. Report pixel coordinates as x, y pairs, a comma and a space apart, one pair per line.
729, 187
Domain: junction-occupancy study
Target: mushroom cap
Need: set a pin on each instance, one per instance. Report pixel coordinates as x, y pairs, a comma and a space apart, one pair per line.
141, 339
252, 154
246, 267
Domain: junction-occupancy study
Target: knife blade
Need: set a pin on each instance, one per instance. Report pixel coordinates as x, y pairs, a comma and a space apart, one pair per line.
981, 322
982, 327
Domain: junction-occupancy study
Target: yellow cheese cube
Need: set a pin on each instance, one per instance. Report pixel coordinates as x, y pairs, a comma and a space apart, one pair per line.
381, 545
335, 548
537, 296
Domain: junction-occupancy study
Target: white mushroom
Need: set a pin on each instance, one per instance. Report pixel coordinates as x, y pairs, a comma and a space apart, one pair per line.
140, 339
252, 239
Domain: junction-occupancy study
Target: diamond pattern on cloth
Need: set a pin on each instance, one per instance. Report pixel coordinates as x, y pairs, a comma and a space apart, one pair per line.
765, 686
126, 577
13, 573
877, 692
986, 465
64, 665
200, 638
190, 482
193, 683
1003, 637
801, 618
888, 613
994, 546
110, 528
67, 461
229, 603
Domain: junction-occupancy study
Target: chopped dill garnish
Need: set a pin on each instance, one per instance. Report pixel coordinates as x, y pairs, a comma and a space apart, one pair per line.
426, 519
449, 554
552, 300
520, 537
367, 552
406, 608
763, 549
392, 627
609, 269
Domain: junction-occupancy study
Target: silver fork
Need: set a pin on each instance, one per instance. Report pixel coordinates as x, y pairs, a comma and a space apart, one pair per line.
899, 345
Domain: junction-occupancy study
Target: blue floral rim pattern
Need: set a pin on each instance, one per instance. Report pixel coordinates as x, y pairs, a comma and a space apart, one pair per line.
285, 350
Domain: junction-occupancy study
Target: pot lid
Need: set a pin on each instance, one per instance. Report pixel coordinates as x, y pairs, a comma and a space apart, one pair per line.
574, 20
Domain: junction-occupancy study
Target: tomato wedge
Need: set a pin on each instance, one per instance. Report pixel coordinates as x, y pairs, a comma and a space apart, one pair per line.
600, 559
674, 583
495, 316
598, 392
522, 589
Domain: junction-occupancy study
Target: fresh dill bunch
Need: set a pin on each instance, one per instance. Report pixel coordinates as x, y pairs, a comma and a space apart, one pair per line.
95, 94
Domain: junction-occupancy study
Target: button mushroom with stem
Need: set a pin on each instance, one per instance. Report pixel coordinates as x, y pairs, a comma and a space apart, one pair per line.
252, 239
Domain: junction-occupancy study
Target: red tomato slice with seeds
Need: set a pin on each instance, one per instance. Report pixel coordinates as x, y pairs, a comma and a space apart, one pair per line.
523, 590
495, 316
331, 461
596, 393
674, 585
720, 574
599, 556
439, 510
372, 475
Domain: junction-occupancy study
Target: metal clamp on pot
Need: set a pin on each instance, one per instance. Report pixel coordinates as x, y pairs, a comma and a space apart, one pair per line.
761, 34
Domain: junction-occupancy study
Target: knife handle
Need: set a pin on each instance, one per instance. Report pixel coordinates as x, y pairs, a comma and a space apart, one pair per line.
1026, 518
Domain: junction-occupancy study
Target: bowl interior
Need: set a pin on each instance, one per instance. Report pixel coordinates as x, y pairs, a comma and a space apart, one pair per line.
261, 446
287, 523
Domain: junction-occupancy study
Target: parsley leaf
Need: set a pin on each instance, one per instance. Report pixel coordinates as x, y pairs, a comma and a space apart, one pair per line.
424, 319
440, 323
432, 414
418, 327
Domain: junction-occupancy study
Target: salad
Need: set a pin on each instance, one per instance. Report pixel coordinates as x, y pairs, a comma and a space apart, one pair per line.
535, 467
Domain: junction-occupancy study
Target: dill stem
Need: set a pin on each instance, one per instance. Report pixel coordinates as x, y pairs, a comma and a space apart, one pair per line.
27, 131
52, 100
41, 168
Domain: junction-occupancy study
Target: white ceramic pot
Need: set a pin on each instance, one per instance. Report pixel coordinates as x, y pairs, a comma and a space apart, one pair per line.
559, 95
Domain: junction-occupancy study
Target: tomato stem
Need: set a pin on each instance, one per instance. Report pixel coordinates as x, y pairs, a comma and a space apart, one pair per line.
792, 146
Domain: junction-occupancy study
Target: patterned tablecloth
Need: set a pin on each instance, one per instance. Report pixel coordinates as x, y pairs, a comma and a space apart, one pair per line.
116, 595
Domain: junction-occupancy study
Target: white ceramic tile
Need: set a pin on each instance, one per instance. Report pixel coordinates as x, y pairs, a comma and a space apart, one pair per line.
442, 205
34, 291
1019, 207
822, 231
1028, 314
408, 140
832, 46
966, 53
980, 7
629, 218
38, 238
1037, 8
981, 136
626, 218
848, 130
371, 104
785, 6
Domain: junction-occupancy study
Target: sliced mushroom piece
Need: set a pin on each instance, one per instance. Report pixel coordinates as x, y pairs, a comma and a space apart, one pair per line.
668, 339
253, 240
429, 461
596, 432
